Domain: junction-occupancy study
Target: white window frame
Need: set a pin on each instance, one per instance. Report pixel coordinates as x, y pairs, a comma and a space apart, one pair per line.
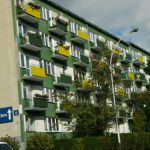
53, 124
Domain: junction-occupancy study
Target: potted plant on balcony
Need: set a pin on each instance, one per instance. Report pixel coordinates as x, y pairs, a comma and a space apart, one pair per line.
19, 9
37, 95
45, 96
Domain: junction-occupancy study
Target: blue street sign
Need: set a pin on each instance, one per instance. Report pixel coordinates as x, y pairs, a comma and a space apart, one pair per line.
6, 115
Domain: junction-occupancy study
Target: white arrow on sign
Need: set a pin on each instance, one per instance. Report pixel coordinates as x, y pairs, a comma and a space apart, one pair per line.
9, 114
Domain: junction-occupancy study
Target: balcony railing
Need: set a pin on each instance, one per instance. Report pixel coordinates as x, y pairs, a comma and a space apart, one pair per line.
63, 80
37, 104
139, 60
30, 12
116, 53
128, 75
126, 59
34, 74
31, 42
59, 27
81, 37
85, 85
98, 47
62, 53
83, 61
140, 77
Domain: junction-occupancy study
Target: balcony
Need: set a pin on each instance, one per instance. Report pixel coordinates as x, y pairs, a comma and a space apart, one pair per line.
98, 47
37, 104
80, 38
139, 77
83, 61
126, 59
116, 53
85, 86
59, 27
30, 12
65, 108
32, 42
139, 61
63, 81
62, 53
34, 74
128, 75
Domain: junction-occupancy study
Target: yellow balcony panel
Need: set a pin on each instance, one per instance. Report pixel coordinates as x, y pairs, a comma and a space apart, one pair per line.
33, 10
64, 51
39, 72
120, 92
116, 52
82, 35
131, 75
87, 84
140, 59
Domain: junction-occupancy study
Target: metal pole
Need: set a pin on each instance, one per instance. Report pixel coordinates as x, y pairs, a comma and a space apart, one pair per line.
112, 83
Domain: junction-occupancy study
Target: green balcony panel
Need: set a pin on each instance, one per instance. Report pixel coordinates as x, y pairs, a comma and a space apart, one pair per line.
142, 76
100, 44
27, 103
129, 57
23, 71
48, 81
35, 40
85, 59
50, 110
40, 102
43, 26
46, 53
65, 79
92, 44
62, 26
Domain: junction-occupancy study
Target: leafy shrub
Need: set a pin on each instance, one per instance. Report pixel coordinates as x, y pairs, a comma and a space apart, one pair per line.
40, 142
12, 142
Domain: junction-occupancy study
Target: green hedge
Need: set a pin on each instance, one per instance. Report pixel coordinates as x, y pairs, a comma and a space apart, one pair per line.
128, 142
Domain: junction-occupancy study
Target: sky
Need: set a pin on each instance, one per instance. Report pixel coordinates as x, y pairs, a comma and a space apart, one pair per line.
116, 17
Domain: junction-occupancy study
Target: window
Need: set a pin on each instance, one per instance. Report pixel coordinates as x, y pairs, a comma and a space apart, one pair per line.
26, 91
45, 13
24, 60
50, 93
53, 124
22, 29
30, 123
91, 37
72, 27
46, 40
49, 67
76, 51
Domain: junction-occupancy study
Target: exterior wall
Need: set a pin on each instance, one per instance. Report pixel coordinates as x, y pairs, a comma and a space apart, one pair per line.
8, 67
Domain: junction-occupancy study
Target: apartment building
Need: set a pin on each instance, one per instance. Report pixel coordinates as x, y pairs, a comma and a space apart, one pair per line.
46, 51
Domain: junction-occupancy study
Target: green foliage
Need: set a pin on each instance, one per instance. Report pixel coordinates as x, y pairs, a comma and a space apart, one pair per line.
11, 142
40, 142
147, 69
139, 121
92, 120
128, 142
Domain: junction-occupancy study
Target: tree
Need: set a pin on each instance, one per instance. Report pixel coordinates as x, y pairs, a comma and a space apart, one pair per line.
39, 142
92, 120
141, 102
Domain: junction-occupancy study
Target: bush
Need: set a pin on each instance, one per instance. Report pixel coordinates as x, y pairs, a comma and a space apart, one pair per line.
132, 141
11, 142
40, 142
